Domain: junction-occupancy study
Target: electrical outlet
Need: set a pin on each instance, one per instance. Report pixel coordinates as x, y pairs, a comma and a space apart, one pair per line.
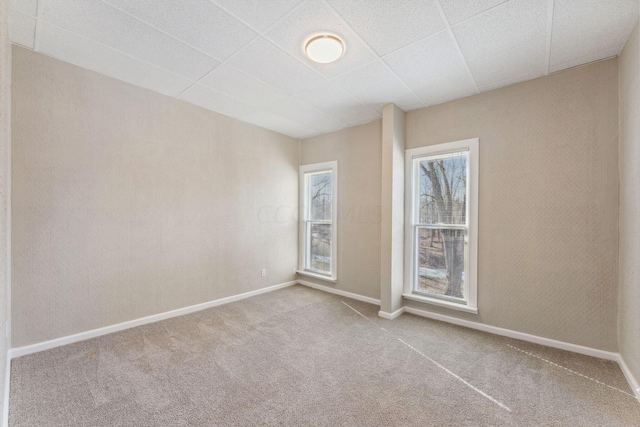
264, 272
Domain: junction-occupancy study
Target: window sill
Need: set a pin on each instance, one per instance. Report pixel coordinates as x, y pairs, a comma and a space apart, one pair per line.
317, 276
441, 303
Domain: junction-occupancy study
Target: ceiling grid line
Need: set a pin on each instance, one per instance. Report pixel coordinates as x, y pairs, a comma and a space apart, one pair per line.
549, 33
263, 35
328, 80
193, 81
381, 61
113, 49
455, 40
136, 59
311, 68
457, 23
38, 30
414, 53
197, 81
477, 15
370, 48
260, 34
379, 58
108, 3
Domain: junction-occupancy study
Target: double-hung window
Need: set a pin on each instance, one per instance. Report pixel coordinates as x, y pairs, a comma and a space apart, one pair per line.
441, 224
318, 222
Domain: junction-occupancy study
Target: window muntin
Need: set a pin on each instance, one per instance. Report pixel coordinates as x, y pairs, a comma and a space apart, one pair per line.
318, 222
442, 224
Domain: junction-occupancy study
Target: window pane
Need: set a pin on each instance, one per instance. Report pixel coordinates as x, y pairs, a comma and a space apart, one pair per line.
441, 262
320, 194
320, 247
443, 190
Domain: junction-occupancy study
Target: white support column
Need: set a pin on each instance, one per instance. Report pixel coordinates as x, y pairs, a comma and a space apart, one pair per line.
392, 203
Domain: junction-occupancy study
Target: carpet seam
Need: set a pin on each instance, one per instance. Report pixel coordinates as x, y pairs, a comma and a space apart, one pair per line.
571, 371
462, 380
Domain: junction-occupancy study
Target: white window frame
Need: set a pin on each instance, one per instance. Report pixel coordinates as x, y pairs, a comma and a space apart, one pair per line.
412, 198
305, 211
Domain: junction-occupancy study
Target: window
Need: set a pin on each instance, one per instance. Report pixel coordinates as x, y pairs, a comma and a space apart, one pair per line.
441, 224
318, 225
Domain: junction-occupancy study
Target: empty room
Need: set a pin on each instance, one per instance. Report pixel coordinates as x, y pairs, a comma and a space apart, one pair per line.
319, 213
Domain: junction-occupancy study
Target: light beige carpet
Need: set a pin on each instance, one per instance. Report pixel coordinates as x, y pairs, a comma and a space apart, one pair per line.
298, 357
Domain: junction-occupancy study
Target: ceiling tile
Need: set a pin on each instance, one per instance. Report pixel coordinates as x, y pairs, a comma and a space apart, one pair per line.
260, 15
338, 103
198, 23
85, 53
587, 30
456, 10
388, 25
22, 29
29, 7
376, 85
269, 64
216, 101
306, 115
104, 24
507, 42
234, 83
276, 123
312, 19
433, 68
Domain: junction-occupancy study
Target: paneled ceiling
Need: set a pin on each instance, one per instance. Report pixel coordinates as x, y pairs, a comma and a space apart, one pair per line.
244, 58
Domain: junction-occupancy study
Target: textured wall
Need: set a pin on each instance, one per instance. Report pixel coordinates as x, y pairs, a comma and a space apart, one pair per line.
358, 152
548, 235
628, 308
128, 203
5, 153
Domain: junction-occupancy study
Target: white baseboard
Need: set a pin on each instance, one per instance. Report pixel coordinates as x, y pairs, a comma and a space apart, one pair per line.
629, 376
46, 345
391, 316
601, 354
339, 292
7, 383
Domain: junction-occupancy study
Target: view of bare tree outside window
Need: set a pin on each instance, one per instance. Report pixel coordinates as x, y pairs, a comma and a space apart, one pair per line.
319, 225
441, 250
320, 190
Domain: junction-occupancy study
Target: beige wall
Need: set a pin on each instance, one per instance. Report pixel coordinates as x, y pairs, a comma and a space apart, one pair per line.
127, 203
629, 298
5, 179
358, 152
548, 245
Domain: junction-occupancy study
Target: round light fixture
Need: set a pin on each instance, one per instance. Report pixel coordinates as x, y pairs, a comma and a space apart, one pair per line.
324, 49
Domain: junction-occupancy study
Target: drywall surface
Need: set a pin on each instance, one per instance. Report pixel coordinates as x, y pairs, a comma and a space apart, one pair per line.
392, 201
548, 201
128, 203
358, 152
629, 298
5, 189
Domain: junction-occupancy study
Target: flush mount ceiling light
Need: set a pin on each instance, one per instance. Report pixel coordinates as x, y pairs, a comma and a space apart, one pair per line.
324, 49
